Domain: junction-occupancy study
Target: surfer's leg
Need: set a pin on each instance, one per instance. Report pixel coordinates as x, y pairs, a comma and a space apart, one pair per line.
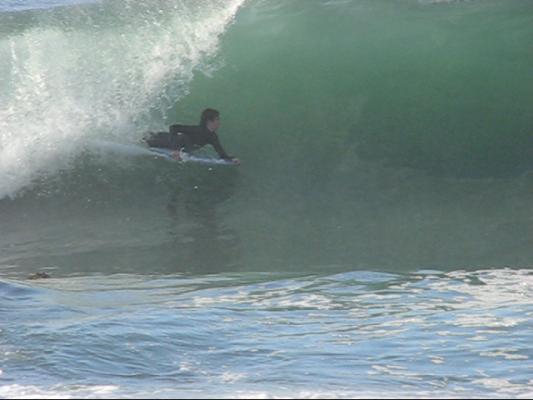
162, 140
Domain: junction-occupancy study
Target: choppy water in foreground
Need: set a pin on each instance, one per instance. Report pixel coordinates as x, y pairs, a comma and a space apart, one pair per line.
351, 334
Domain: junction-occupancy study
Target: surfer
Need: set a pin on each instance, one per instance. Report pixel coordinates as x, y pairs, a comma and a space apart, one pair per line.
191, 137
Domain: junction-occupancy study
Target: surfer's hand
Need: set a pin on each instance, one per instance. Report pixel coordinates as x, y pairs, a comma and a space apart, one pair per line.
236, 161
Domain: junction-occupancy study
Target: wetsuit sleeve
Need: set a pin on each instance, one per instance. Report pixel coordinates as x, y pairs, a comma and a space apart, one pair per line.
218, 147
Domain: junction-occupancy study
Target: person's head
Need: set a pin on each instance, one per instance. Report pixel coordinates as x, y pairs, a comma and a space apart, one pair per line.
210, 119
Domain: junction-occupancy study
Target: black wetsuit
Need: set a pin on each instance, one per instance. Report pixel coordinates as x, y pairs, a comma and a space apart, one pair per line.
188, 138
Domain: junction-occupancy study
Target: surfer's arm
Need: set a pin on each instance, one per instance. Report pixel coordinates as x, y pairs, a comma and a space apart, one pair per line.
218, 148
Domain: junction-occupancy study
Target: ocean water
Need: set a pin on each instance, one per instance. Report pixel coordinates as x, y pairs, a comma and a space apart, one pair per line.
377, 239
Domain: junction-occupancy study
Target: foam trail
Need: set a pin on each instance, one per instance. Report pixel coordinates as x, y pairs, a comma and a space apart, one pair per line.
124, 149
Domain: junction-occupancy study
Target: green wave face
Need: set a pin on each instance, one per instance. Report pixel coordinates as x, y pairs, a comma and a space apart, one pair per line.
444, 87
378, 132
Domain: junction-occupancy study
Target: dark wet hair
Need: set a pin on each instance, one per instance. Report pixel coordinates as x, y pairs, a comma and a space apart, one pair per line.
208, 115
